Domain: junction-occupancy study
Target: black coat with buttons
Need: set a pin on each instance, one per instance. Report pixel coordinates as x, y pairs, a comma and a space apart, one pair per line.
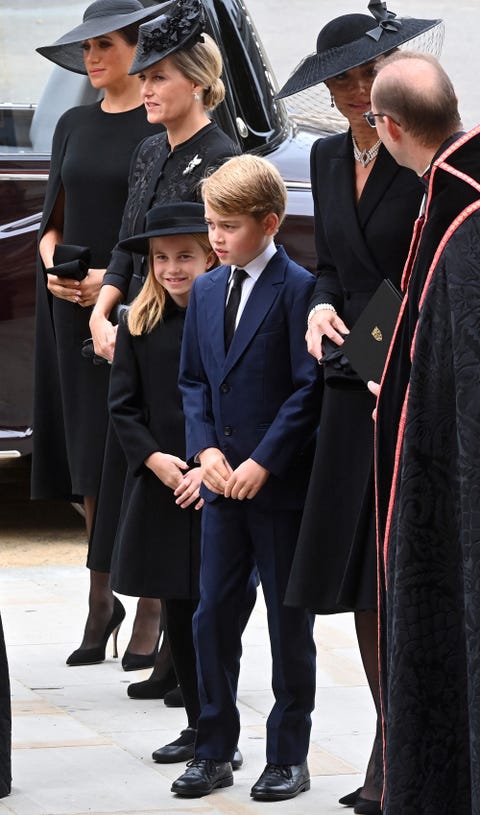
157, 546
358, 245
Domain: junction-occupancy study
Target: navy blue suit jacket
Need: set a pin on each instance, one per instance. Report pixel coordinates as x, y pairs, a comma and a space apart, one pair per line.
261, 400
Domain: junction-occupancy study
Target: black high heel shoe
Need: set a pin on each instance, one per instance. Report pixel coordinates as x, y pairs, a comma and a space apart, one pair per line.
89, 656
136, 662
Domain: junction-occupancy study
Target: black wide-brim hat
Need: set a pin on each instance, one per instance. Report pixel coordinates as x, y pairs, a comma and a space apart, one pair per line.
180, 218
101, 17
352, 40
180, 27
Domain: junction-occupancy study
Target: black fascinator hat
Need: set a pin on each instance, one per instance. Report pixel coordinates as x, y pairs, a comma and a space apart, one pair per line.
352, 40
101, 17
180, 27
178, 218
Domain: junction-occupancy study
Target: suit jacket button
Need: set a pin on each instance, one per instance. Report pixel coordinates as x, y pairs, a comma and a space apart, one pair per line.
227, 430
224, 387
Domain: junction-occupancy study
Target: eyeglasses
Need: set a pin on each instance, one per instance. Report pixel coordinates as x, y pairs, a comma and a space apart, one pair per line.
370, 117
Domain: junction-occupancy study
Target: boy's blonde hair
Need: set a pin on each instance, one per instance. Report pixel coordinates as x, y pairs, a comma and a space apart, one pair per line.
202, 64
148, 307
246, 185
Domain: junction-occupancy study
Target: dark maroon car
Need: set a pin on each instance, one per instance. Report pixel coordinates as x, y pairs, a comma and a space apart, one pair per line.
250, 115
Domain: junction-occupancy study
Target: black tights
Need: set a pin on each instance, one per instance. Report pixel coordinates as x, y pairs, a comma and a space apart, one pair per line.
366, 624
178, 622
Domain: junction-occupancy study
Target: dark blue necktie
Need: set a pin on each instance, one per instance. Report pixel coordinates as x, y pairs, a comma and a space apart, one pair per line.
233, 303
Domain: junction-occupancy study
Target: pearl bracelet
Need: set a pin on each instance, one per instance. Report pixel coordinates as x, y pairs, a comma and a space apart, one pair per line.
320, 307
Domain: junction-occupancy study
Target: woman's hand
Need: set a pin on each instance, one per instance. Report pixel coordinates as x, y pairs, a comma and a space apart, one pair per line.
83, 292
104, 336
90, 287
169, 469
188, 490
323, 322
374, 388
104, 333
65, 288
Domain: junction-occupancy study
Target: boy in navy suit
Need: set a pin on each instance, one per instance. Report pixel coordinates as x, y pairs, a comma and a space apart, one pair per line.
251, 402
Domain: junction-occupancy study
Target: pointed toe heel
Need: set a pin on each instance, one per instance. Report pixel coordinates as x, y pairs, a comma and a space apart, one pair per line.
137, 662
91, 656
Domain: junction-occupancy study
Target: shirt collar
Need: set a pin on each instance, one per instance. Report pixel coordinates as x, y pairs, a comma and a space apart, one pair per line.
256, 266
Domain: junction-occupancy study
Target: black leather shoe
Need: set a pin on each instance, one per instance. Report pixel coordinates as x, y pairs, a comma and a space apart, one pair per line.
365, 806
202, 776
237, 760
280, 781
351, 799
182, 749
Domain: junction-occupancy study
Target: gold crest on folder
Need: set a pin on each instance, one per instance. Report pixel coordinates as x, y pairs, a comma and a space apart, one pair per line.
377, 334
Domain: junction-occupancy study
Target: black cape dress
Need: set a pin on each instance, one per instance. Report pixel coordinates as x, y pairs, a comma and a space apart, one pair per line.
157, 547
358, 245
91, 156
428, 486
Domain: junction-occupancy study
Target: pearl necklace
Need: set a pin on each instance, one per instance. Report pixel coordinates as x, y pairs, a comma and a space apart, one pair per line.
365, 156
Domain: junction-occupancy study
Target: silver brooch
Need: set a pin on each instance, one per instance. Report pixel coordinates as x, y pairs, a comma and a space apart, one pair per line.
196, 160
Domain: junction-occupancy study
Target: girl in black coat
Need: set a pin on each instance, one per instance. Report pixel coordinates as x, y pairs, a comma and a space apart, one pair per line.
157, 547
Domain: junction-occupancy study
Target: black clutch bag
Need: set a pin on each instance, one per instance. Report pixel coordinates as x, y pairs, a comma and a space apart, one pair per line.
366, 346
70, 261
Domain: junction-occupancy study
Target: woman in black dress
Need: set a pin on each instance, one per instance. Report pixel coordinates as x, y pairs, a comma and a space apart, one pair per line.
365, 208
180, 70
86, 193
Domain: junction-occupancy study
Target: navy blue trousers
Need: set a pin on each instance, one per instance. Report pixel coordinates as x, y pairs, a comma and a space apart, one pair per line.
236, 535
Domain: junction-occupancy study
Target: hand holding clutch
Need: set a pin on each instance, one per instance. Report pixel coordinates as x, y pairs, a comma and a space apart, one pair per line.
70, 261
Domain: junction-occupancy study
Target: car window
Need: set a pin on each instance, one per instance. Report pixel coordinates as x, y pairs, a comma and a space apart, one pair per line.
24, 74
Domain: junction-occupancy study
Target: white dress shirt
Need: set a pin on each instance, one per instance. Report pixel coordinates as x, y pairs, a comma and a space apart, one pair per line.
253, 269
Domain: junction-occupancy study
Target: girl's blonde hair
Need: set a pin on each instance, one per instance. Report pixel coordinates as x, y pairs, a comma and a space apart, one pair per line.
203, 65
148, 308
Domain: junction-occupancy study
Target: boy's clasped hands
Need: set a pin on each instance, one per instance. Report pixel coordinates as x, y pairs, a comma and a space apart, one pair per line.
215, 472
218, 476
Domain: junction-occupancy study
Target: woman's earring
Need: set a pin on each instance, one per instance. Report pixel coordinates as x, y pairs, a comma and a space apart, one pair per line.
196, 96
332, 100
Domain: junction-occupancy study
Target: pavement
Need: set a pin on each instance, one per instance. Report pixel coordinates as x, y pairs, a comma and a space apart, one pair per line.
80, 745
